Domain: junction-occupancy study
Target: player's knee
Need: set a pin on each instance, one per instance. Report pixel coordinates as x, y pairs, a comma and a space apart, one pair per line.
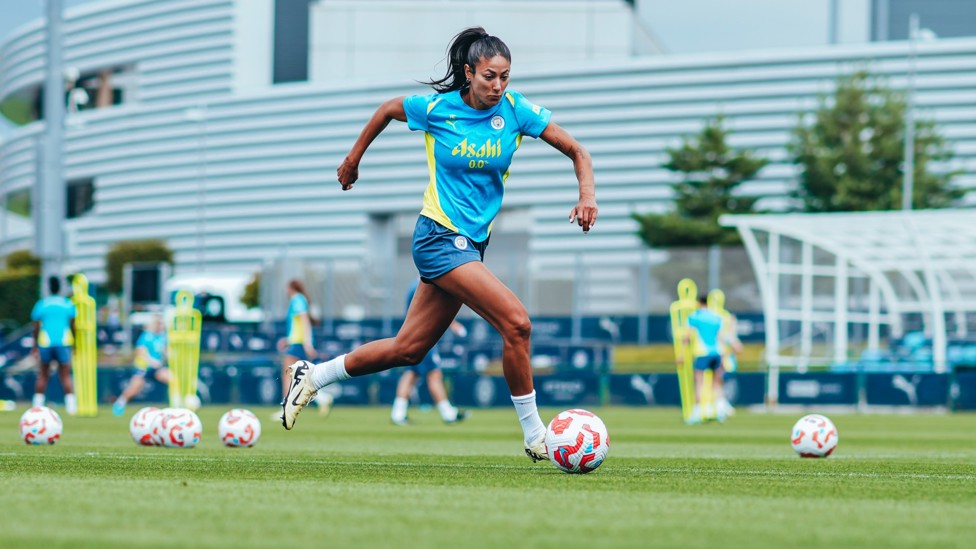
411, 355
518, 328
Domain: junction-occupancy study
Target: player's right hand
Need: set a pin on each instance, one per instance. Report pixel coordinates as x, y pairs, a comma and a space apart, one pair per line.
348, 173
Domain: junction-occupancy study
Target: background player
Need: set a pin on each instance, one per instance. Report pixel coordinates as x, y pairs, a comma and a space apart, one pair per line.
297, 343
708, 356
54, 328
150, 361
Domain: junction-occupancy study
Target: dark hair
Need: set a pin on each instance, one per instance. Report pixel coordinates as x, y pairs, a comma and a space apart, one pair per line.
467, 48
298, 287
54, 284
703, 299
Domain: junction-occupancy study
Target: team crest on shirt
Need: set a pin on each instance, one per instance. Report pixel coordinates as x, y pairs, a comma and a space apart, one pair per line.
497, 122
460, 242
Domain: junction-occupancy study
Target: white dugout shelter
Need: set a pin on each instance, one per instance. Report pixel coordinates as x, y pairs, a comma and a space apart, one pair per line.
824, 278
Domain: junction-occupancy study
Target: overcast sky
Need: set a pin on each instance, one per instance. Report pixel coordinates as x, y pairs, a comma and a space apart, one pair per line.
682, 26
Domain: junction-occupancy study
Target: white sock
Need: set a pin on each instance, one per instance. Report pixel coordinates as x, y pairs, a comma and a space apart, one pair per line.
528, 415
38, 400
448, 412
323, 399
71, 404
399, 411
121, 401
327, 373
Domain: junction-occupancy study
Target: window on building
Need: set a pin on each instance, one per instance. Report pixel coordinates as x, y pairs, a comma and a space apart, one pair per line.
81, 197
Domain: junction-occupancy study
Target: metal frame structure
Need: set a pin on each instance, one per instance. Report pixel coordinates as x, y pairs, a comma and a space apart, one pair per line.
835, 272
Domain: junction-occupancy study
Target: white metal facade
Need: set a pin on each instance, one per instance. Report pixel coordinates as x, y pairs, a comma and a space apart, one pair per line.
867, 269
232, 179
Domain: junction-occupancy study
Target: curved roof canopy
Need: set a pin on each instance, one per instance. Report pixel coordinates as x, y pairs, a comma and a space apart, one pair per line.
821, 274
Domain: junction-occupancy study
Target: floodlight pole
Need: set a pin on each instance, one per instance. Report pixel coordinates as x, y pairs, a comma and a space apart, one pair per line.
909, 174
49, 194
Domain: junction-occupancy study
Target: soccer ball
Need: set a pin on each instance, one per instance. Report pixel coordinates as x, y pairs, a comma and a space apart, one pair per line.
140, 426
577, 441
40, 425
156, 426
814, 436
179, 428
239, 428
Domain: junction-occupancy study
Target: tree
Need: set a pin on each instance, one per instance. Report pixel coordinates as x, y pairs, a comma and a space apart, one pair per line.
20, 286
851, 157
712, 171
132, 251
252, 292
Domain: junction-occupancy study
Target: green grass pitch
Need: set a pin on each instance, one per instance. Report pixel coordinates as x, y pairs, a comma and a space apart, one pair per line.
354, 480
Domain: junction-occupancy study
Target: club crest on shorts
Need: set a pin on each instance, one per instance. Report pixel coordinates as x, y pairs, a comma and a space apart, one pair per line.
497, 122
460, 242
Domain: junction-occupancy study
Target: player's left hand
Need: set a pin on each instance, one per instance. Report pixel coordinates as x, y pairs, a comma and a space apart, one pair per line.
584, 214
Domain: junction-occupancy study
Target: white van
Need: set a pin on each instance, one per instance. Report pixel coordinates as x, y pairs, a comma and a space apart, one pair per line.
218, 294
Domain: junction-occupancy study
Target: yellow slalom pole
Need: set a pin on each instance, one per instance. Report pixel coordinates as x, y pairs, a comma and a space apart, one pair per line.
183, 342
683, 343
84, 362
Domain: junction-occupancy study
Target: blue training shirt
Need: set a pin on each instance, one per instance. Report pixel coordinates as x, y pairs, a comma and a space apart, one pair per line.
54, 312
153, 343
469, 152
297, 306
708, 324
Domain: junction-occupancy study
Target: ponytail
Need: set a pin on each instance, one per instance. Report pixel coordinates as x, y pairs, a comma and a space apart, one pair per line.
467, 48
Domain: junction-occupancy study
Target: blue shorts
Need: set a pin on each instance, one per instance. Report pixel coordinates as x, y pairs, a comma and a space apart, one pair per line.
148, 372
60, 354
430, 363
296, 350
708, 362
437, 250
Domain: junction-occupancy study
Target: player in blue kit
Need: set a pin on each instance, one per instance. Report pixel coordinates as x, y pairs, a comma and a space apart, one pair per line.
708, 356
54, 328
150, 362
472, 126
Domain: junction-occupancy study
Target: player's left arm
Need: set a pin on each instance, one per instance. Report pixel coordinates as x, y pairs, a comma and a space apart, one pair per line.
584, 214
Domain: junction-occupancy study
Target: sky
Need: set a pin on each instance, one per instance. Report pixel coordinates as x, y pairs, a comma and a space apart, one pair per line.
681, 26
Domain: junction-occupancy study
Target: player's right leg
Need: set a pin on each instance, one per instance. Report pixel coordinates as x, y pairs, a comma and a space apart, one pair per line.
136, 383
431, 311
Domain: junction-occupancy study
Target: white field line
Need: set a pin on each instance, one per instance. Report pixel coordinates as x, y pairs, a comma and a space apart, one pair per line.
645, 470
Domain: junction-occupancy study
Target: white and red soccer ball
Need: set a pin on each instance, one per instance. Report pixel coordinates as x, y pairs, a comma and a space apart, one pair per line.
40, 425
175, 428
577, 441
140, 426
814, 436
239, 428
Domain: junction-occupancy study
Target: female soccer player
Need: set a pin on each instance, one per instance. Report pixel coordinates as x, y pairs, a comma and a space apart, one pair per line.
297, 344
472, 126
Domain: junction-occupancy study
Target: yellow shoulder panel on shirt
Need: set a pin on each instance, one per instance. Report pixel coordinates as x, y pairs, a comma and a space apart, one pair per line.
511, 98
432, 203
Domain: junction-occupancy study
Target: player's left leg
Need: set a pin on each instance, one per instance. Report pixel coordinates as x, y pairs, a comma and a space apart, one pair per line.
43, 375
431, 311
398, 414
435, 384
724, 408
67, 383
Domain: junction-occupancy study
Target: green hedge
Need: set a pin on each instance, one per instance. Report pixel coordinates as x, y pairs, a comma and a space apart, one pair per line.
19, 290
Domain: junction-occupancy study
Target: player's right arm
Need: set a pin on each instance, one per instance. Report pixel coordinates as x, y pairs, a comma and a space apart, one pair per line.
348, 171
143, 357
